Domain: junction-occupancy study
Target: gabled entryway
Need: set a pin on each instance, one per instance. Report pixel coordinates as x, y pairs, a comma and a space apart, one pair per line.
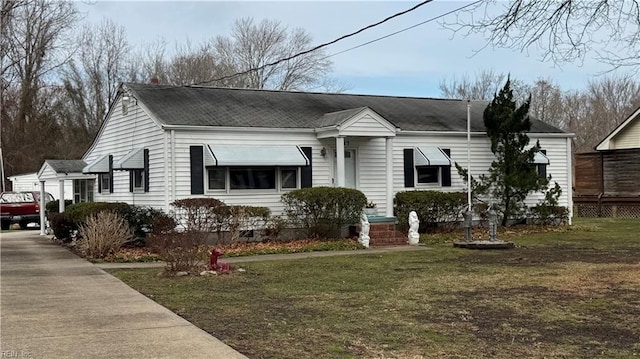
358, 123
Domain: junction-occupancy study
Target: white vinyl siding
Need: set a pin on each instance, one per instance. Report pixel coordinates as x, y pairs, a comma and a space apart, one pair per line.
366, 125
481, 158
120, 135
267, 198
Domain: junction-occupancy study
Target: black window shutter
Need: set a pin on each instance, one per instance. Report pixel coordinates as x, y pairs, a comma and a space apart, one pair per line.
99, 183
196, 155
408, 168
306, 172
131, 181
446, 170
110, 173
146, 170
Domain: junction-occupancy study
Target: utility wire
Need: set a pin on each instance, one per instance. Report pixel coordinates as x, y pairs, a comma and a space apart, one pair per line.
403, 30
315, 48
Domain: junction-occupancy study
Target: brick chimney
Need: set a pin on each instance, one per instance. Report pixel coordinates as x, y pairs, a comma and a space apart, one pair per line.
154, 80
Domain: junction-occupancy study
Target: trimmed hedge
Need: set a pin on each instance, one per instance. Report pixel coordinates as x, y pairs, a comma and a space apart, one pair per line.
140, 219
432, 207
79, 212
54, 206
324, 211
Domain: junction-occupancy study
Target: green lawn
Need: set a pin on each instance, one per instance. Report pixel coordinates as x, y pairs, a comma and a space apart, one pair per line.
571, 293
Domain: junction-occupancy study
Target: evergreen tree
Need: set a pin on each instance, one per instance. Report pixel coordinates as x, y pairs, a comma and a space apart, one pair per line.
513, 174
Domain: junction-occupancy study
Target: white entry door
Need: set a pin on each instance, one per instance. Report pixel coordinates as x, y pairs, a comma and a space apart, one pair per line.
349, 168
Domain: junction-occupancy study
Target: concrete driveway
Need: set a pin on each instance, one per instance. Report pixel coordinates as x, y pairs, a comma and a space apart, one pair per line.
56, 305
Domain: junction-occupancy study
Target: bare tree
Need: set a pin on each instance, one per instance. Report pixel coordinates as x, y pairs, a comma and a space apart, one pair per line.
484, 86
34, 43
253, 46
150, 62
191, 65
611, 101
93, 76
547, 103
564, 29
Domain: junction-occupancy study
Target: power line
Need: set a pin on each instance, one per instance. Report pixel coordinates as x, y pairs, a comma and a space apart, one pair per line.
403, 30
315, 48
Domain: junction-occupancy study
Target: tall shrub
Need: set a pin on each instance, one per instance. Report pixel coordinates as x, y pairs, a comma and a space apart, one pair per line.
324, 211
103, 234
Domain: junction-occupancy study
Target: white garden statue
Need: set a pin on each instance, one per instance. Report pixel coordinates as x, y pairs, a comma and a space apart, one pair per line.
414, 224
364, 238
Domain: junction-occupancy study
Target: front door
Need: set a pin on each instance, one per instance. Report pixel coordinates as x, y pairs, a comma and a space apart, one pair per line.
349, 168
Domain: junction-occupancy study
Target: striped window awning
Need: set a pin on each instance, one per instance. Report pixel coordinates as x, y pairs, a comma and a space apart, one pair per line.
101, 165
134, 160
430, 156
233, 155
541, 159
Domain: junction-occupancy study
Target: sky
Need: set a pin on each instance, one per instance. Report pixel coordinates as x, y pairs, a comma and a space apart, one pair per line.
412, 63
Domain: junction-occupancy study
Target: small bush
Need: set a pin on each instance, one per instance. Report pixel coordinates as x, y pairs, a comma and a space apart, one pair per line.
324, 211
103, 234
432, 207
201, 214
162, 224
54, 206
182, 251
61, 225
140, 219
244, 218
547, 212
273, 227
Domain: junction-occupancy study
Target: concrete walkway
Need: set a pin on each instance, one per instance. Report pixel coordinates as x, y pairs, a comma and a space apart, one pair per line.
56, 305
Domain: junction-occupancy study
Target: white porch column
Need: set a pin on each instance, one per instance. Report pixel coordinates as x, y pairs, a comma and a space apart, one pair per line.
340, 178
389, 181
42, 209
569, 180
61, 199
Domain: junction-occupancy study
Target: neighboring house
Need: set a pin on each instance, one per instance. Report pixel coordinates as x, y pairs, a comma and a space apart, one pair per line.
29, 182
161, 143
606, 181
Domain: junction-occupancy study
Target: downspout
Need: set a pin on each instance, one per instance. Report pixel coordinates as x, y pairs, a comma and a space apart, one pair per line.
174, 183
166, 171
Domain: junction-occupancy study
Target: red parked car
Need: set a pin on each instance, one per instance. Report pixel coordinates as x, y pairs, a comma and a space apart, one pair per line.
21, 207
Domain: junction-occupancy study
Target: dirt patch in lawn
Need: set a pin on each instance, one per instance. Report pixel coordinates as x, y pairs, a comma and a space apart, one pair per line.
537, 256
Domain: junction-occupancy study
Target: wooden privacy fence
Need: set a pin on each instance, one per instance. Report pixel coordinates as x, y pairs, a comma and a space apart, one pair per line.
601, 206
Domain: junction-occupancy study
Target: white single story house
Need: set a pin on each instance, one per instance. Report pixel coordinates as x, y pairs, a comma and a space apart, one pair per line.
160, 143
29, 182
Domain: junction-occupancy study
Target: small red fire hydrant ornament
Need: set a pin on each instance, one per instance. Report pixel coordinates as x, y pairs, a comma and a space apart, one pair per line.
220, 267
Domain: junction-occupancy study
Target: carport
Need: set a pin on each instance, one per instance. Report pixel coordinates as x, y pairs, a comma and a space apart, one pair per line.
60, 171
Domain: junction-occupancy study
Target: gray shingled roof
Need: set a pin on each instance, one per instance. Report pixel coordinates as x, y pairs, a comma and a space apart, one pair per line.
67, 166
212, 106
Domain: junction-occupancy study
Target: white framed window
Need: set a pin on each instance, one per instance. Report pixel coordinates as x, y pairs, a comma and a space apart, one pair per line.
289, 178
428, 174
105, 182
138, 180
252, 178
217, 178
83, 190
